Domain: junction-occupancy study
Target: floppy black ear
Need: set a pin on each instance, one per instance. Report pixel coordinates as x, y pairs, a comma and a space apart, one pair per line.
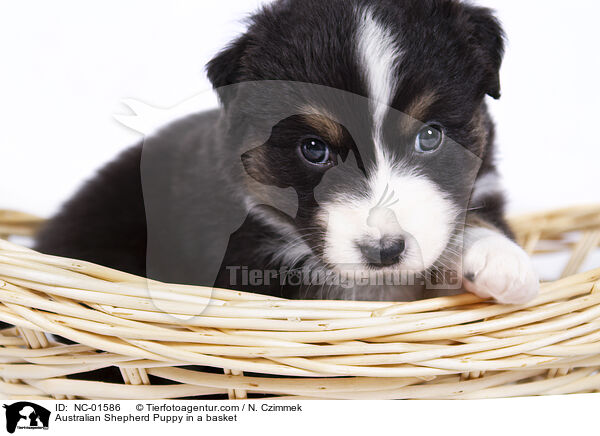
225, 68
488, 37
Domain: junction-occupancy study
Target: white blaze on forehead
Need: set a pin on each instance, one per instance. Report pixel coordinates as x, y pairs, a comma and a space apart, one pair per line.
418, 211
378, 57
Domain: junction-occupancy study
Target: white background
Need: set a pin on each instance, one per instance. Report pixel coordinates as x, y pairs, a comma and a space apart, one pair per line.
65, 66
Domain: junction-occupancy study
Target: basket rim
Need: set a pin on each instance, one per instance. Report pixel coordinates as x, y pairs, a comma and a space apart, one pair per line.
419, 348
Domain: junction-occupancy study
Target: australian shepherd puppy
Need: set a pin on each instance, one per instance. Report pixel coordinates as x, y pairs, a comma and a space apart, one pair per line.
353, 144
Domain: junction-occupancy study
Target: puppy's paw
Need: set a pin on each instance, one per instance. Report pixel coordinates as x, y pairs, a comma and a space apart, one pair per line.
496, 267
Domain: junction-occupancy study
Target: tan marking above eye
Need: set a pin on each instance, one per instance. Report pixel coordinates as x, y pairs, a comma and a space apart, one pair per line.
419, 107
324, 125
417, 111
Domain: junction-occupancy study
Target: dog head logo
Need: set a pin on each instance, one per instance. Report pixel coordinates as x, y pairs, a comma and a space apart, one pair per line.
26, 415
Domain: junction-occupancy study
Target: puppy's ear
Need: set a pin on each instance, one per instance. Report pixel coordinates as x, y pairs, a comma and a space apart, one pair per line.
488, 37
225, 68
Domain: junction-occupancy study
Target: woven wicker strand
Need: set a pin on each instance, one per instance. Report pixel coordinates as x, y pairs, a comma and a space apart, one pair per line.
454, 347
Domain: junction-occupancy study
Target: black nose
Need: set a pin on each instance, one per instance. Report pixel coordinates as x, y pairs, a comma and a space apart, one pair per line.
384, 252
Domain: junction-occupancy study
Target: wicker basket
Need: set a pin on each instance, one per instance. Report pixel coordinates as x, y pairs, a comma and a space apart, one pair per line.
442, 348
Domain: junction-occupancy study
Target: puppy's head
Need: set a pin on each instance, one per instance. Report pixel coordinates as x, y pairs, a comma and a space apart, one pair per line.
377, 115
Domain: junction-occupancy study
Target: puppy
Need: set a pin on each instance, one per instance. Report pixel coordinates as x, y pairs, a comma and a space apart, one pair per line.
353, 141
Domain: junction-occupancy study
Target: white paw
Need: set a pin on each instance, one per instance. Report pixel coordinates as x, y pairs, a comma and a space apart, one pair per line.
496, 267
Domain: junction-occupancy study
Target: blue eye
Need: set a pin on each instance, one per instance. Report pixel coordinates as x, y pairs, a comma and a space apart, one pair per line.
429, 138
315, 151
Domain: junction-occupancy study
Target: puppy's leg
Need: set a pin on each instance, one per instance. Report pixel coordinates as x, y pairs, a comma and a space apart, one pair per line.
494, 266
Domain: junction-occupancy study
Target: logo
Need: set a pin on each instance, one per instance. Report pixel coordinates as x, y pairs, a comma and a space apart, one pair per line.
26, 415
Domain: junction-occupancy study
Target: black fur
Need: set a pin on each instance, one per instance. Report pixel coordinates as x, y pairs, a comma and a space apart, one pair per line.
450, 48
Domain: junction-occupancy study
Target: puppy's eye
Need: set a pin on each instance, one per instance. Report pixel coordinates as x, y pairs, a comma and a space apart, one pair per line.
429, 138
315, 151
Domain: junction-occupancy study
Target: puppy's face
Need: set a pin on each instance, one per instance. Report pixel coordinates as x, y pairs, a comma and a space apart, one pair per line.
380, 149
